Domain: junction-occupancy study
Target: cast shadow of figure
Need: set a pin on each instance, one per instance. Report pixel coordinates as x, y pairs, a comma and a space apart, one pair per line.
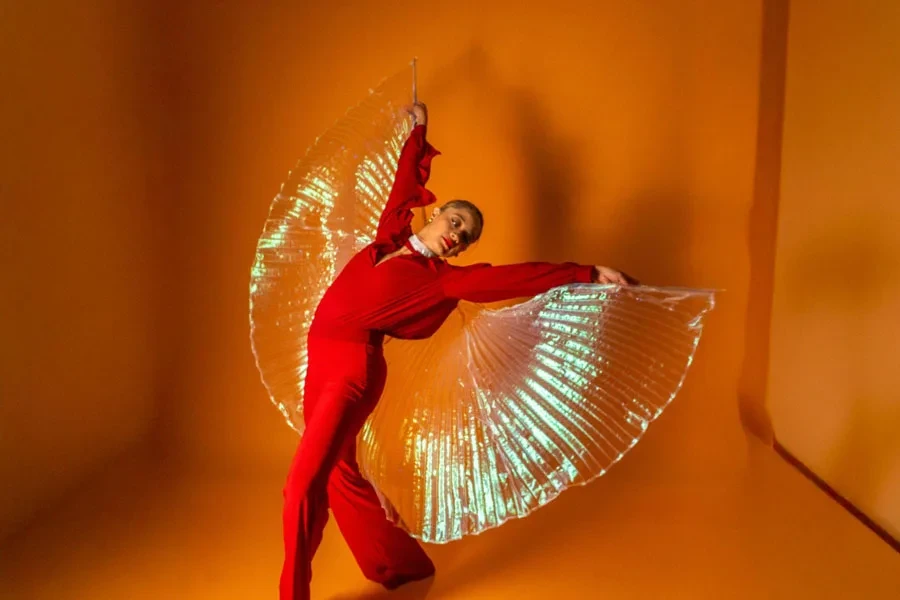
551, 171
549, 159
410, 591
650, 241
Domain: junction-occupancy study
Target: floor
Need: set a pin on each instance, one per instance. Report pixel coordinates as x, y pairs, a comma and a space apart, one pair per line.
141, 532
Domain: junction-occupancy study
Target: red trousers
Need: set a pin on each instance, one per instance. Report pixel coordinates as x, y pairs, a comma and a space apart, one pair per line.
343, 384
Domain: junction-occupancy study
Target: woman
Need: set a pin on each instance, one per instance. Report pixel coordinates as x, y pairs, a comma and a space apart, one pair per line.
400, 286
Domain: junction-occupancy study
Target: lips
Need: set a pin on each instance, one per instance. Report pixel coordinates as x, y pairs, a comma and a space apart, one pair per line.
448, 244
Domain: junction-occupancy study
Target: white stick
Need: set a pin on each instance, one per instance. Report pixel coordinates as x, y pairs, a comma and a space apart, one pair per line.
415, 101
415, 92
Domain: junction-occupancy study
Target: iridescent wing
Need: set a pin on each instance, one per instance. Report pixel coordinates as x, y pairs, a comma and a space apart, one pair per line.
326, 211
502, 410
499, 411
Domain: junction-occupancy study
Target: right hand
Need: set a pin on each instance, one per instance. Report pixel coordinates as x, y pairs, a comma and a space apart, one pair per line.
420, 112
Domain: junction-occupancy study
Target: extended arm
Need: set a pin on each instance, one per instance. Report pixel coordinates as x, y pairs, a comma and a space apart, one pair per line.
487, 283
408, 191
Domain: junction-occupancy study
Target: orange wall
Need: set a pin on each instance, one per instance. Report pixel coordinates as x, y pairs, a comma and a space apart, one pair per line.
77, 177
148, 143
618, 133
834, 371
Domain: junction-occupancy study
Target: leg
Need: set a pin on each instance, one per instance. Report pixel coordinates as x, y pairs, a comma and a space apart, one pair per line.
385, 553
305, 497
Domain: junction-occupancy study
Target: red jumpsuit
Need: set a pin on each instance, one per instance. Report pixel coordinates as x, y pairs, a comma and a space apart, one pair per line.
407, 297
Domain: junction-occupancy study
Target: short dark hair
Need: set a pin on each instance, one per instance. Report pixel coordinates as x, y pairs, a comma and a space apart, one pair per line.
475, 212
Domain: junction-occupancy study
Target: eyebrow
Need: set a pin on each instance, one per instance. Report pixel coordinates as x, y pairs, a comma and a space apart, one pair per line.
464, 219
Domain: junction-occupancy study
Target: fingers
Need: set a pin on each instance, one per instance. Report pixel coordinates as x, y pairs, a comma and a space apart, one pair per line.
417, 109
419, 112
614, 277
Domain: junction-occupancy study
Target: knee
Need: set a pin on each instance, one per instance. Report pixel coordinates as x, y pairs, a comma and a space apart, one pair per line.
403, 568
393, 580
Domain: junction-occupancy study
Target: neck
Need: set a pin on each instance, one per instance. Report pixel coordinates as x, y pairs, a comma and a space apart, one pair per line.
419, 246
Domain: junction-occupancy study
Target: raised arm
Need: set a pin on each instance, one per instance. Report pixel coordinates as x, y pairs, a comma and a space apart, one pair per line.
487, 283
408, 191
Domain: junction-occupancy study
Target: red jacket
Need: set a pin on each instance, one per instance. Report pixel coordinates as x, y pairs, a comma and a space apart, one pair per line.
409, 296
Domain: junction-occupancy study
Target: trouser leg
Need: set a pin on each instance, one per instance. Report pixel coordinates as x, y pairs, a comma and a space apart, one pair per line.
305, 497
385, 553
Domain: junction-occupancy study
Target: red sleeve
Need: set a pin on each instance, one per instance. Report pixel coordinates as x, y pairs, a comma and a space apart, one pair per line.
408, 191
486, 283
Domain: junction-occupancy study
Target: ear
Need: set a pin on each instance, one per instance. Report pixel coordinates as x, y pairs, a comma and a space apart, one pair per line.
435, 212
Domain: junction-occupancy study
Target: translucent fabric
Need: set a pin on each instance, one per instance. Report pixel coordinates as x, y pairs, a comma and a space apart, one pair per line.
502, 408
326, 211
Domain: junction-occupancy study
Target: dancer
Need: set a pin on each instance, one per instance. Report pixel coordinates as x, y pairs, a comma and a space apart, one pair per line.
401, 286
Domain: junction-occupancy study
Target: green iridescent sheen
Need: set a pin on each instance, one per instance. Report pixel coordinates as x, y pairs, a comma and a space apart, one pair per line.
502, 409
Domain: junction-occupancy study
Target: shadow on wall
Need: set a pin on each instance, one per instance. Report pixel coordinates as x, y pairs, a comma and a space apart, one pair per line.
650, 239
549, 160
651, 231
551, 169
763, 219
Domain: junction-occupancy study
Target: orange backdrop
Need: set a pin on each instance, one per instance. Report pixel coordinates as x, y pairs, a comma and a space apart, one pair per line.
81, 167
621, 134
834, 370
617, 134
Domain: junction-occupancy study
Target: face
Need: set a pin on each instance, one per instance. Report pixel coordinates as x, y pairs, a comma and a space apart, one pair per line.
449, 233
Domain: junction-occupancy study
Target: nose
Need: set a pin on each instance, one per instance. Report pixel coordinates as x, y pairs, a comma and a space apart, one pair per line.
455, 237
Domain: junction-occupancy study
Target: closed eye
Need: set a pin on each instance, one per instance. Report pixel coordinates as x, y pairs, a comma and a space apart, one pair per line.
464, 235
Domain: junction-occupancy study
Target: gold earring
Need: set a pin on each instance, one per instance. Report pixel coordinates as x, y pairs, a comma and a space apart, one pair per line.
430, 219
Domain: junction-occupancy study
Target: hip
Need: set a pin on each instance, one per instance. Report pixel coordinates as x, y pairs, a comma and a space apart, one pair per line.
352, 372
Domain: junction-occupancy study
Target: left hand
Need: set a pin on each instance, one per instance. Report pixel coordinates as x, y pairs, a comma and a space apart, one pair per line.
608, 275
420, 112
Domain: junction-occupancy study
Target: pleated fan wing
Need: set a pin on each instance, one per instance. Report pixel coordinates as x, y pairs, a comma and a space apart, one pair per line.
326, 211
503, 409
